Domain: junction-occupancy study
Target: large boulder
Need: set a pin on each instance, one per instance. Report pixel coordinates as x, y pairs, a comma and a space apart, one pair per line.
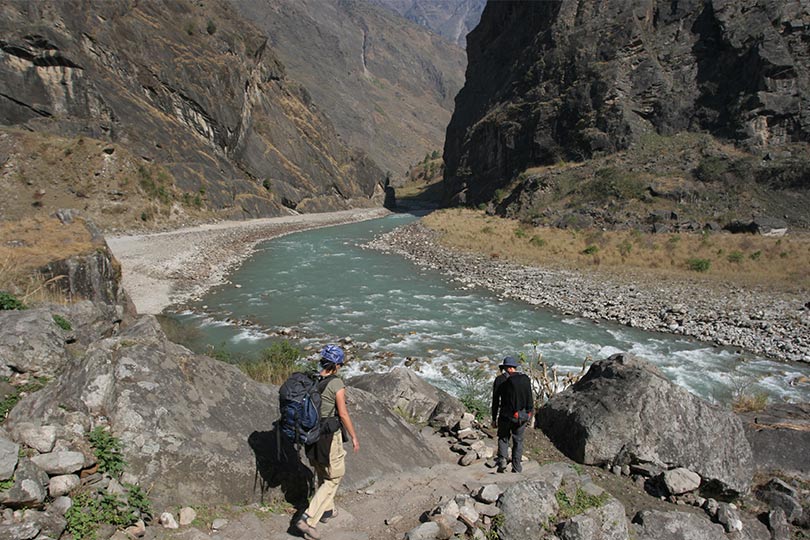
197, 430
30, 341
416, 399
624, 410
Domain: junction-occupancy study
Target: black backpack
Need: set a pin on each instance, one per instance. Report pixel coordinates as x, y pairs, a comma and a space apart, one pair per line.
299, 400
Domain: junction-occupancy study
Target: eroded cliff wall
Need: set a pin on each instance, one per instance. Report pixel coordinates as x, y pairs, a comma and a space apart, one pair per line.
574, 79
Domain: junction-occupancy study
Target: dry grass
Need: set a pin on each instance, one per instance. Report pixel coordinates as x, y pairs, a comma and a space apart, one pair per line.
750, 403
742, 259
28, 245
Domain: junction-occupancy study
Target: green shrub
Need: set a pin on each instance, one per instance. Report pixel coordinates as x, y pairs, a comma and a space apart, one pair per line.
211, 28
62, 323
473, 389
755, 255
698, 265
537, 241
275, 364
107, 449
591, 250
625, 248
582, 502
89, 511
711, 169
520, 233
9, 301
487, 230
735, 257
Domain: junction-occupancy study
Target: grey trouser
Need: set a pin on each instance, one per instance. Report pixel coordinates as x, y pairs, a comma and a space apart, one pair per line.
507, 429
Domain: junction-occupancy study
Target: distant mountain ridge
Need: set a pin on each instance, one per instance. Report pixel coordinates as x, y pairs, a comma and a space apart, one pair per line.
189, 86
453, 19
387, 84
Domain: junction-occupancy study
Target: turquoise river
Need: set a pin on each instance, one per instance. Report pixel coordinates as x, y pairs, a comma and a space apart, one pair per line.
325, 286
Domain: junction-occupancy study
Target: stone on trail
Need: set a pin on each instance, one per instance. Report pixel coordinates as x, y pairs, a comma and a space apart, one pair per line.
29, 486
50, 524
424, 531
137, 530
607, 522
18, 531
31, 342
729, 517
187, 516
168, 521
40, 438
489, 493
60, 505
218, 524
63, 484
680, 480
624, 410
778, 524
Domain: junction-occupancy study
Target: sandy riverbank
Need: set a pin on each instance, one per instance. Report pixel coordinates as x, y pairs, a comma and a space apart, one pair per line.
173, 267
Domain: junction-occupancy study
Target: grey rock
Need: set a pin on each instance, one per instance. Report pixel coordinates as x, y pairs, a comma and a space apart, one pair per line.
49, 523
625, 407
449, 509
729, 517
424, 531
489, 493
680, 480
60, 505
31, 342
468, 459
29, 486
606, 522
777, 499
187, 516
63, 484
65, 462
526, 506
168, 521
488, 510
404, 390
658, 525
711, 506
9, 454
18, 531
218, 524
777, 446
778, 524
40, 438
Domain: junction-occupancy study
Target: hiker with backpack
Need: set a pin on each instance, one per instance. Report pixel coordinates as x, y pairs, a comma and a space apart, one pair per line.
326, 454
512, 408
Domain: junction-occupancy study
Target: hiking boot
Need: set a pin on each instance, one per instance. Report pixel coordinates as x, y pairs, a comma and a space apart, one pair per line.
309, 532
329, 514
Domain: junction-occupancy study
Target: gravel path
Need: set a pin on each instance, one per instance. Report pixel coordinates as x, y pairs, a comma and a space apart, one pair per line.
169, 268
770, 324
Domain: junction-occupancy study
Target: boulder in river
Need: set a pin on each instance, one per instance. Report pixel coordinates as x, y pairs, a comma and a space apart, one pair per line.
625, 411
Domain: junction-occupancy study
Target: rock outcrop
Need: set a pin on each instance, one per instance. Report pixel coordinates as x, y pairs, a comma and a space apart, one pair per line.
196, 429
193, 88
624, 411
572, 79
417, 400
452, 19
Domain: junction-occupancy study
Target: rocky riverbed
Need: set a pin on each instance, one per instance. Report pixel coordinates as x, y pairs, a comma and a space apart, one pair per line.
766, 323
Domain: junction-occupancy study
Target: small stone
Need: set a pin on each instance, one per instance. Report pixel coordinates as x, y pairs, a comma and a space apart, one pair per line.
616, 469
137, 530
680, 480
63, 484
778, 524
9, 454
393, 520
40, 438
61, 505
489, 493
468, 458
60, 462
425, 531
218, 524
19, 531
115, 488
168, 521
711, 507
187, 516
729, 518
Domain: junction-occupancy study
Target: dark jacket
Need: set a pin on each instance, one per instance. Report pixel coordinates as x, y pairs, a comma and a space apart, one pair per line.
510, 394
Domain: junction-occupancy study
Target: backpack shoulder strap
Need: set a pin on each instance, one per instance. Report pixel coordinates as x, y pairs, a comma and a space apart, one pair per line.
322, 384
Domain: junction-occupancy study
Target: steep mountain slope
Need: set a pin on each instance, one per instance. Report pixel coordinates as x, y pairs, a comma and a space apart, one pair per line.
185, 85
453, 19
387, 84
569, 80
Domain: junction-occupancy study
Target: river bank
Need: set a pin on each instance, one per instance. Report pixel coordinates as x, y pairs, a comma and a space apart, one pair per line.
174, 267
775, 325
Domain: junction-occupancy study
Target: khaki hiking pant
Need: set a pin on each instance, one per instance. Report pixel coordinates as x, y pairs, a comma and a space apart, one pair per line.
329, 478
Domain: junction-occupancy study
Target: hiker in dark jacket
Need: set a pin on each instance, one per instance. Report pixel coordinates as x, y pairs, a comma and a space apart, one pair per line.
512, 408
327, 455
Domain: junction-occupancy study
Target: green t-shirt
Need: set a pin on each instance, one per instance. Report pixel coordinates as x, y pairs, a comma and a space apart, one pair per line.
328, 406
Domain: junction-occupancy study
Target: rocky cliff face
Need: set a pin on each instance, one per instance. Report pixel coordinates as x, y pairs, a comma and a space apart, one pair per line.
186, 85
573, 79
453, 19
387, 84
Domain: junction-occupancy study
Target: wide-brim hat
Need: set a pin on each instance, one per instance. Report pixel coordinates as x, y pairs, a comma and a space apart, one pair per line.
509, 361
